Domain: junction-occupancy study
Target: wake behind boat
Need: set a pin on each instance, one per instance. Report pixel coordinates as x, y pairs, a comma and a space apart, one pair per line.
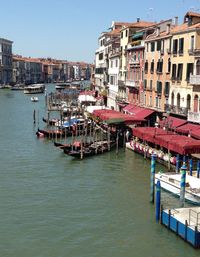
171, 183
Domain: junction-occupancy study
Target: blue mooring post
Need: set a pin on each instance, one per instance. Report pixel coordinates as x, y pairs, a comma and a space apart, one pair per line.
158, 197
153, 166
198, 168
182, 189
184, 159
177, 163
191, 166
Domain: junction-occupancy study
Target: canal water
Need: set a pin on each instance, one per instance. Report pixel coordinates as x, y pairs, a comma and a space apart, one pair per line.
54, 206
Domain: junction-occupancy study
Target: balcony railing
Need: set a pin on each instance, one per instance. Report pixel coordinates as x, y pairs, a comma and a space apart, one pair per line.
131, 83
195, 79
194, 117
176, 109
195, 52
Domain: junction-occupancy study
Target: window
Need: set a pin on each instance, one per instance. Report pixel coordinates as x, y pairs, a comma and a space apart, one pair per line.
174, 72
158, 45
152, 66
145, 84
166, 88
146, 67
126, 33
159, 66
122, 34
111, 64
116, 63
151, 85
152, 46
189, 70
100, 56
159, 87
169, 66
198, 67
180, 72
192, 43
175, 46
181, 45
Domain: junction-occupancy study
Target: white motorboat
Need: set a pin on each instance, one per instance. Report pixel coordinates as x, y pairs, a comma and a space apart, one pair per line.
34, 99
171, 183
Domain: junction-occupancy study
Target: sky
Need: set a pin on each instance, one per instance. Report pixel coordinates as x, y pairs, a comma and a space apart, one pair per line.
69, 29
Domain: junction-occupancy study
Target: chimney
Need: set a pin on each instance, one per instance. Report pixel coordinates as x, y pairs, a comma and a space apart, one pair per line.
138, 19
157, 31
168, 28
176, 20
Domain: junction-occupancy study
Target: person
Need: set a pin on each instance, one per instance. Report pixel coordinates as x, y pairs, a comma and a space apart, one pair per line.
127, 135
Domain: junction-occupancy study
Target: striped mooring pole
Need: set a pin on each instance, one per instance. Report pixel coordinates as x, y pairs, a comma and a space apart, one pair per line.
182, 185
158, 198
177, 163
198, 168
191, 166
152, 186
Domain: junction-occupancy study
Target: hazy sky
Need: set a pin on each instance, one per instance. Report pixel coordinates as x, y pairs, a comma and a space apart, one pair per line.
69, 29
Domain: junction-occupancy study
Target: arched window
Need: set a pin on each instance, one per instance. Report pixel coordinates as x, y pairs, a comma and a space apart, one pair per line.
172, 99
188, 102
196, 100
146, 67
198, 67
169, 65
178, 100
152, 66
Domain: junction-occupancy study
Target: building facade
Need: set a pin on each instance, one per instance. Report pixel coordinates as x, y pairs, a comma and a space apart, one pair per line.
6, 69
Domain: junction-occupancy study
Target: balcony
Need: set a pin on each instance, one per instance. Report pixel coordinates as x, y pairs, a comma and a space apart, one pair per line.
195, 52
134, 62
194, 117
131, 83
195, 79
176, 109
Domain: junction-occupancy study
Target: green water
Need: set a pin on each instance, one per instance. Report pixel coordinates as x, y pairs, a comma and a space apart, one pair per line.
54, 206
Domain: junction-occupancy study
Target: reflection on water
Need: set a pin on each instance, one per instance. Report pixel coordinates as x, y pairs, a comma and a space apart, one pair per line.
52, 205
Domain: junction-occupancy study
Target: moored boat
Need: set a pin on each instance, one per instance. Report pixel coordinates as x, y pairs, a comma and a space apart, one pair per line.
171, 183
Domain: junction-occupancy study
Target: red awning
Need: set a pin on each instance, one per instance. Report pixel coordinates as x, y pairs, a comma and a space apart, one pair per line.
185, 145
174, 142
144, 113
172, 122
139, 112
187, 128
149, 134
195, 133
128, 108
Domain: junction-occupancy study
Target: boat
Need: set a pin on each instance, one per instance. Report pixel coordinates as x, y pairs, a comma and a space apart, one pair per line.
94, 148
34, 99
51, 133
61, 86
34, 89
50, 122
171, 182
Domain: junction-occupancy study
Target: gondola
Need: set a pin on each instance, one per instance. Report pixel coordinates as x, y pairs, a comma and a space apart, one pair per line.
95, 148
51, 122
51, 133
